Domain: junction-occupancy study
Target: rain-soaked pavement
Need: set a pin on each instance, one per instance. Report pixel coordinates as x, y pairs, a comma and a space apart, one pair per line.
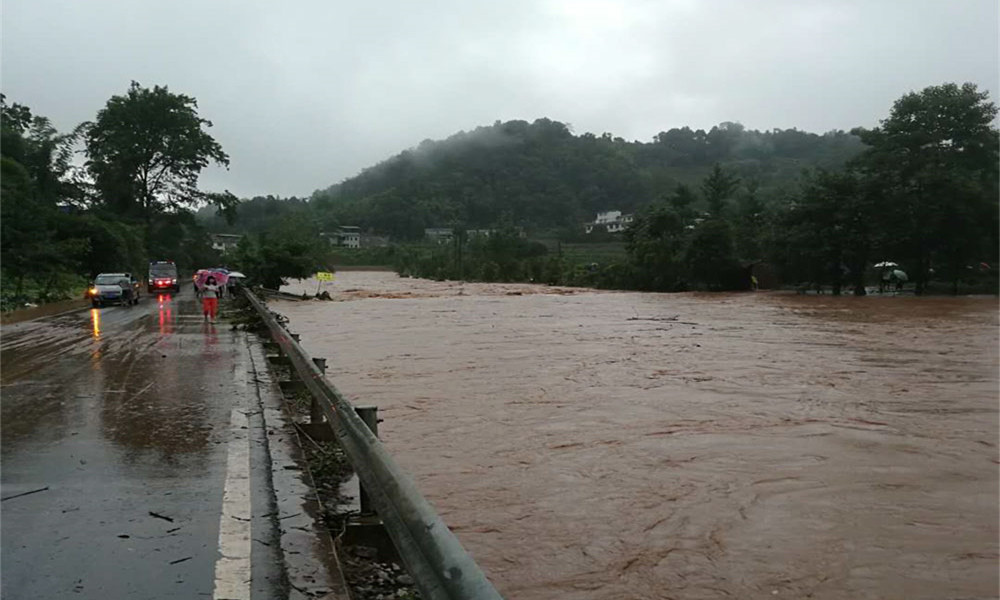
624, 445
124, 427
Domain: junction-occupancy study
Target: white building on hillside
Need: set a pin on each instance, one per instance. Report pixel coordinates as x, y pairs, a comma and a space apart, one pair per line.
439, 234
224, 242
348, 236
612, 221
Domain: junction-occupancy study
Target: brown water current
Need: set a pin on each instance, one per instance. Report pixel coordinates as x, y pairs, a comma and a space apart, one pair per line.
626, 445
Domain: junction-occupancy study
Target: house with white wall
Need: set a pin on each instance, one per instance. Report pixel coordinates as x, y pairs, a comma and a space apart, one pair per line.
347, 236
612, 221
224, 242
439, 234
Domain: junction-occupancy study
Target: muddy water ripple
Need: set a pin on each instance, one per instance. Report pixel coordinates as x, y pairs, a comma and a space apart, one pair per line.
626, 445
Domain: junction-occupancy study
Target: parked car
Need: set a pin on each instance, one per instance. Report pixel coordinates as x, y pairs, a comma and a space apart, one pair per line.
118, 288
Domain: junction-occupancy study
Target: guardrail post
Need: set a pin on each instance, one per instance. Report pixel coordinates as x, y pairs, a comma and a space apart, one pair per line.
368, 414
315, 412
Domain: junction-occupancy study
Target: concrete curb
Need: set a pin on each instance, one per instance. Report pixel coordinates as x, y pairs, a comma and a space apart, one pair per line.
308, 551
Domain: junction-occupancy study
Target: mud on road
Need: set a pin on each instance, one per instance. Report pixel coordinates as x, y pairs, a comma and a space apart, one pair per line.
628, 445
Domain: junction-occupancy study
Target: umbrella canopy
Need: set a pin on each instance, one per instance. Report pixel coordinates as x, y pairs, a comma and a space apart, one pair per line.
237, 275
900, 275
885, 263
200, 277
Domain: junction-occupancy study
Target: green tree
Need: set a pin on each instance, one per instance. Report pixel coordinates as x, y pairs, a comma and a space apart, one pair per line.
832, 230
145, 151
750, 217
682, 200
291, 248
655, 243
935, 160
38, 244
717, 188
113, 245
710, 256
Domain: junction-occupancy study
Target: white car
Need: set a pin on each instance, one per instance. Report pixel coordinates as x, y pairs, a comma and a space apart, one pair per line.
114, 288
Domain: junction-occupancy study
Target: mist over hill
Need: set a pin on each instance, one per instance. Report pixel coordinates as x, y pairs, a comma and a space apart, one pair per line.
543, 177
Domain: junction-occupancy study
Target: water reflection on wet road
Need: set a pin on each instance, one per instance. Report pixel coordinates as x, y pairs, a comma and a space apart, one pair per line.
623, 445
122, 415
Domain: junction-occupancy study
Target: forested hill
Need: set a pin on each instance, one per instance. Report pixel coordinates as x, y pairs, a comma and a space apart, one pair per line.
543, 177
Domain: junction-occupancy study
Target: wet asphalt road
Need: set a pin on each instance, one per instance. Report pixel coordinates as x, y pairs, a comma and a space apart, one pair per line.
130, 422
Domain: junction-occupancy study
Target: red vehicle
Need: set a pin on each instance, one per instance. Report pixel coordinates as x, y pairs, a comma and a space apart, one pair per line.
163, 276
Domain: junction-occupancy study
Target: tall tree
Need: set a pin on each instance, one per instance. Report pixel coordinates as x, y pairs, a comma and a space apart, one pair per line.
832, 229
682, 200
146, 150
717, 188
710, 256
936, 161
655, 244
35, 241
749, 222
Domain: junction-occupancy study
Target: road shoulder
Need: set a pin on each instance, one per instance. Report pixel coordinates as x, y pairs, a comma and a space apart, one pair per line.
306, 547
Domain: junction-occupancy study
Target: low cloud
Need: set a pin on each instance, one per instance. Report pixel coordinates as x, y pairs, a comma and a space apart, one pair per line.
305, 94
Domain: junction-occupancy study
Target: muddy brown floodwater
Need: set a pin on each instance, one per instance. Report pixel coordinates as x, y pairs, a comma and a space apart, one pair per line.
626, 445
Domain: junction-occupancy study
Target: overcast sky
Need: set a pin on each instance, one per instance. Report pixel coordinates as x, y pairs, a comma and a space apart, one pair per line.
305, 93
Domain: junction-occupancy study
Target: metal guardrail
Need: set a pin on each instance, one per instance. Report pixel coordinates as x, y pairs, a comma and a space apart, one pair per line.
440, 567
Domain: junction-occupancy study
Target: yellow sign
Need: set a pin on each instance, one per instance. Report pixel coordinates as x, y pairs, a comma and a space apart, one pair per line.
323, 276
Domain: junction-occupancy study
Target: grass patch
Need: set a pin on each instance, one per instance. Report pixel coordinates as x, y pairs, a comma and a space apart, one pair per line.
601, 253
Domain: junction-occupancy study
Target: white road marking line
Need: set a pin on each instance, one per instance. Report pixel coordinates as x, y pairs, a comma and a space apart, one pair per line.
232, 569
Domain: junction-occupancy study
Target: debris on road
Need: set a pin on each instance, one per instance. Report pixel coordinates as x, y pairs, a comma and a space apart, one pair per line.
159, 516
6, 498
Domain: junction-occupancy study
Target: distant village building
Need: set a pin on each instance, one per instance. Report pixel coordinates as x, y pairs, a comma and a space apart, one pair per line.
612, 221
446, 234
346, 236
224, 242
369, 240
439, 234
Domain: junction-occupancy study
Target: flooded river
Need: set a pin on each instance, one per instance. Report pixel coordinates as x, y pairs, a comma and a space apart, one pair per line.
625, 445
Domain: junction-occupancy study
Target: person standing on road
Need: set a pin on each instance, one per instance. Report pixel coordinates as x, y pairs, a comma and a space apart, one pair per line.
210, 298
